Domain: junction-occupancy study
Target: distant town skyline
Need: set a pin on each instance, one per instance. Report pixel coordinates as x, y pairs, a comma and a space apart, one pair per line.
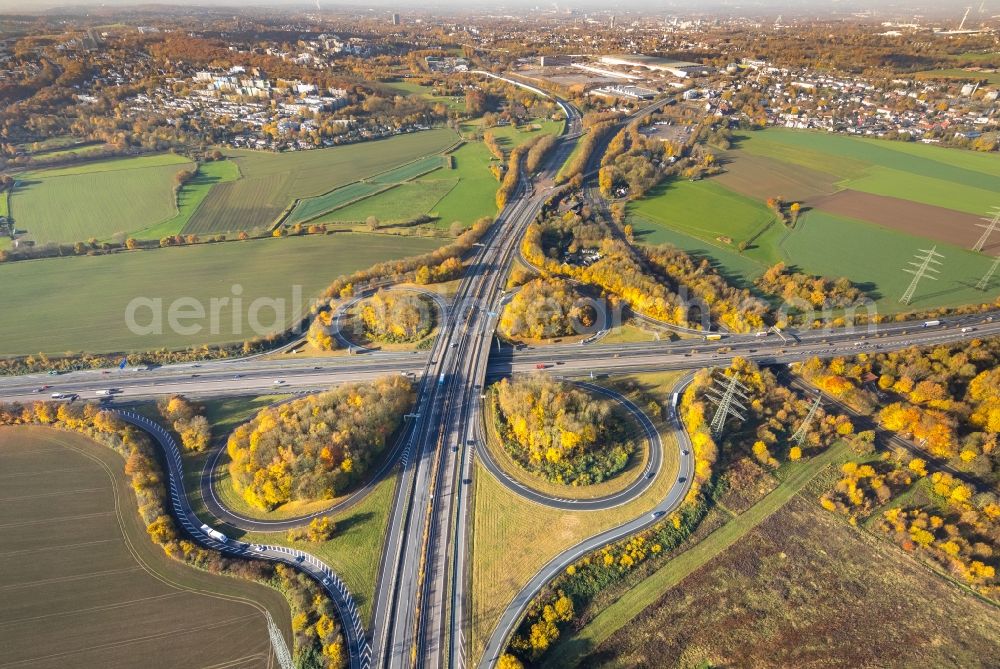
723, 7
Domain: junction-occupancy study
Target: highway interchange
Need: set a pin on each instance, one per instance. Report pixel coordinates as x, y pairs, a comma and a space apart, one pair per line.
421, 599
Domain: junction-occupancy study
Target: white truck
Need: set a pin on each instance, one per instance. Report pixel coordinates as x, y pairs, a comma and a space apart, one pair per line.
215, 534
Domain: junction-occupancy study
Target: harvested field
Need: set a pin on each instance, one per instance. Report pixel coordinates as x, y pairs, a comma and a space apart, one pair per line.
760, 177
913, 218
83, 585
806, 589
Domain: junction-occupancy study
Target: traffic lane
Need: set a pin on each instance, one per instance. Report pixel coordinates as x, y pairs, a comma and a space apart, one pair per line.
635, 489
515, 609
195, 382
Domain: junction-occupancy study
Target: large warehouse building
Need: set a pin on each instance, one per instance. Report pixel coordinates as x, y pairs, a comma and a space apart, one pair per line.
678, 68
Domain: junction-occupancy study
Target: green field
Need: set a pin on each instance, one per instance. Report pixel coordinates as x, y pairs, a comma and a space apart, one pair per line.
464, 193
396, 204
271, 182
47, 313
869, 247
959, 73
871, 254
99, 199
408, 88
705, 210
314, 207
409, 171
191, 196
850, 157
475, 195
510, 137
84, 586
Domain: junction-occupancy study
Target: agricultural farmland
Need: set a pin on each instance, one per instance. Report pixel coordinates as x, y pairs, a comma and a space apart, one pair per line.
465, 192
867, 207
83, 584
272, 182
265, 268
311, 208
101, 199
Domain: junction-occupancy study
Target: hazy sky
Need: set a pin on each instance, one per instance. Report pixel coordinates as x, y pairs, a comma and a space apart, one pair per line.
731, 6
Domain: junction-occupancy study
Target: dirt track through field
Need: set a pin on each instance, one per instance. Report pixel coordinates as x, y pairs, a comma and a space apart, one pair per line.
922, 220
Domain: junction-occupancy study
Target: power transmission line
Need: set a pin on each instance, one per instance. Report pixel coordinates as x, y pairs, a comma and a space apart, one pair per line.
990, 225
726, 394
803, 430
985, 281
924, 264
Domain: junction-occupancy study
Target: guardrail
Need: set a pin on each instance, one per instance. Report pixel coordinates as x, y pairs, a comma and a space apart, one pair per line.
358, 646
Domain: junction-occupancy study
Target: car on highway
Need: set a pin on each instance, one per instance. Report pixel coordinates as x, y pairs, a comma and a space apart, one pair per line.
686, 452
278, 382
237, 376
681, 479
327, 582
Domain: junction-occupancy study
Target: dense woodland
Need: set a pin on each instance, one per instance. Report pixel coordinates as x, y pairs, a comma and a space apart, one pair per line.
188, 420
661, 282
396, 317
945, 397
316, 447
560, 432
796, 288
318, 641
546, 308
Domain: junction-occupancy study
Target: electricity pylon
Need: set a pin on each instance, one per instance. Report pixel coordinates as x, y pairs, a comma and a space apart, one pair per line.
726, 395
989, 226
278, 644
799, 437
985, 281
924, 264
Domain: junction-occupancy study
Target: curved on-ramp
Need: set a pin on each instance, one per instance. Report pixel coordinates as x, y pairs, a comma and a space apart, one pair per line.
632, 491
514, 611
359, 650
337, 330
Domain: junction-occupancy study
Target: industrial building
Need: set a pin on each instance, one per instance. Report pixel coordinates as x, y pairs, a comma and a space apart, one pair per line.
678, 68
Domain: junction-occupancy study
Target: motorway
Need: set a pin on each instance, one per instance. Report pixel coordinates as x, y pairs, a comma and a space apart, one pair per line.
258, 376
418, 617
421, 597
